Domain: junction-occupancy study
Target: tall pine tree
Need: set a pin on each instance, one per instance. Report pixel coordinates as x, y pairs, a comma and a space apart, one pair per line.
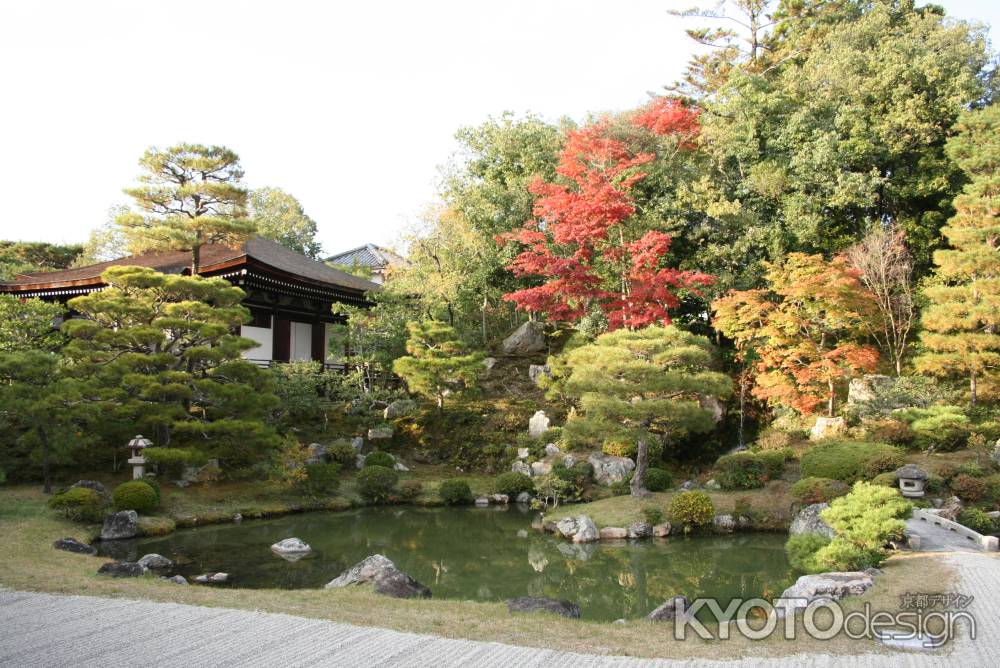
438, 363
962, 323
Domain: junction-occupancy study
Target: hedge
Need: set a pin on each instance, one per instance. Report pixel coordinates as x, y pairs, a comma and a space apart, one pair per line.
513, 484
80, 504
850, 461
818, 490
377, 483
379, 458
455, 492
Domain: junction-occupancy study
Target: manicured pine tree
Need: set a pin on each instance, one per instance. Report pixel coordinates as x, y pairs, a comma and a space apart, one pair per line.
189, 195
961, 324
643, 385
438, 361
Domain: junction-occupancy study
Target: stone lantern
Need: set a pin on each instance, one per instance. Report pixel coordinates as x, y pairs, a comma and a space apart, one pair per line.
911, 481
138, 462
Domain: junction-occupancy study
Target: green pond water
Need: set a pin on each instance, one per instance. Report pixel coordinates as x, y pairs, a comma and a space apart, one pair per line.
481, 554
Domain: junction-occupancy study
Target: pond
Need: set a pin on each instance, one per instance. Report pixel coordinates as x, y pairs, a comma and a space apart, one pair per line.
482, 554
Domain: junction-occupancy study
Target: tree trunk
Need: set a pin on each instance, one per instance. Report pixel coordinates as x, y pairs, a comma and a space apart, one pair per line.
831, 403
972, 388
486, 303
46, 464
638, 485
195, 259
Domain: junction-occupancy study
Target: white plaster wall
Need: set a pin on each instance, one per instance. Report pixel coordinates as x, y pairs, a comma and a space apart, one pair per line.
263, 337
301, 341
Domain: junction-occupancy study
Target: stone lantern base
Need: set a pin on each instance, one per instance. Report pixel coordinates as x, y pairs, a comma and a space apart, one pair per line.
138, 467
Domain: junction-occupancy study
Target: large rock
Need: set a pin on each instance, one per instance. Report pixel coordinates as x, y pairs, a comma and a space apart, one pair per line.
536, 371
661, 530
640, 530
365, 570
212, 578
578, 529
609, 469
316, 453
155, 562
714, 405
828, 586
809, 521
397, 584
122, 569
552, 449
526, 339
867, 387
123, 524
826, 427
538, 424
541, 604
291, 549
673, 608
380, 433
613, 533
96, 486
521, 466
724, 524
399, 408
951, 509
540, 468
73, 545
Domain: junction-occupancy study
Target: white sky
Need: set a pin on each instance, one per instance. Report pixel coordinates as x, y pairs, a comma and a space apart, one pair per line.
351, 107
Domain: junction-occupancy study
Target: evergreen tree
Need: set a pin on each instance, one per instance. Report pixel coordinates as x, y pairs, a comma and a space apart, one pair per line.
962, 322
438, 362
29, 324
190, 195
280, 217
640, 385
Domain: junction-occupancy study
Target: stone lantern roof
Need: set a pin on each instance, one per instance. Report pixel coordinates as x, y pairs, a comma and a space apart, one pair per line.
911, 472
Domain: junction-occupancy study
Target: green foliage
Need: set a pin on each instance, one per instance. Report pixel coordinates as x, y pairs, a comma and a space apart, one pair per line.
652, 514
943, 428
172, 461
968, 488
79, 504
513, 484
437, 361
774, 461
26, 257
691, 509
29, 324
409, 490
455, 492
379, 458
863, 522
377, 483
775, 439
658, 480
977, 520
135, 495
341, 452
887, 479
893, 432
818, 490
278, 216
617, 448
552, 489
577, 477
301, 387
321, 479
849, 461
801, 550
741, 470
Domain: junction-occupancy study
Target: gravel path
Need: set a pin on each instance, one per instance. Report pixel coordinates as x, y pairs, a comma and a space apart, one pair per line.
55, 630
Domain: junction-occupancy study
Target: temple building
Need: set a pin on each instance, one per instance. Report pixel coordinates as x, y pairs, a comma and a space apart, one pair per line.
288, 294
376, 259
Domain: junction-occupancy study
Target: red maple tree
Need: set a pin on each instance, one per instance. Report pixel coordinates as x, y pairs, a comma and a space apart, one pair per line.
579, 242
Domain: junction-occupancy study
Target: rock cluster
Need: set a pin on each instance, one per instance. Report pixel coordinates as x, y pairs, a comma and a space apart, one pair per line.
73, 545
156, 562
381, 571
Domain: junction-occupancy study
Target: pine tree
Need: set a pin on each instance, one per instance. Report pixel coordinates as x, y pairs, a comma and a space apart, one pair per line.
642, 385
962, 323
190, 195
438, 362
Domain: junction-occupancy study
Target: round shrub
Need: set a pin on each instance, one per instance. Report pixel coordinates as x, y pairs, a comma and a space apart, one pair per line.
625, 449
341, 452
801, 550
774, 461
455, 492
156, 488
818, 490
170, 462
691, 509
740, 471
968, 488
658, 480
409, 490
885, 479
135, 495
321, 479
977, 520
377, 483
379, 458
850, 461
513, 484
79, 504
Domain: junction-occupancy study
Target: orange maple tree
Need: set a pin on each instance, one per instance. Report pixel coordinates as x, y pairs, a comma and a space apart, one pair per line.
804, 331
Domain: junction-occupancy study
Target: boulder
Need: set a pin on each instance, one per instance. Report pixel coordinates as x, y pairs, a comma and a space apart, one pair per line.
527, 339
524, 497
640, 530
176, 579
536, 371
482, 501
122, 569
540, 468
399, 408
73, 545
523, 453
713, 485
688, 485
381, 432
579, 529
951, 509
542, 604
829, 586
867, 387
569, 461
521, 466
291, 546
316, 453
155, 562
609, 469
397, 584
123, 524
359, 461
809, 521
552, 449
673, 608
712, 404
613, 533
96, 486
400, 466
365, 570
724, 524
212, 578
500, 499
538, 424
489, 362
357, 443
826, 427
661, 530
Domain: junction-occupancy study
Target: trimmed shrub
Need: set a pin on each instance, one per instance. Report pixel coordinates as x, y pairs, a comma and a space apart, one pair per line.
513, 484
740, 471
156, 488
774, 461
455, 492
801, 550
943, 428
624, 449
658, 480
652, 514
691, 509
321, 479
80, 504
895, 432
968, 488
409, 490
341, 452
850, 461
379, 458
863, 522
135, 495
808, 491
885, 479
377, 483
977, 520
172, 461
972, 468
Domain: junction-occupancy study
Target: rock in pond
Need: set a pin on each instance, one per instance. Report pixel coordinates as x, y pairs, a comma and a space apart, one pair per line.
724, 523
212, 578
809, 521
613, 533
123, 524
541, 604
579, 529
365, 570
291, 549
155, 562
671, 609
832, 586
398, 584
661, 530
640, 530
482, 501
122, 569
73, 545
524, 497
609, 469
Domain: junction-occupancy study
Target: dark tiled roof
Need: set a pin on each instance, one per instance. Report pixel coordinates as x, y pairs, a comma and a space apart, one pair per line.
368, 255
261, 250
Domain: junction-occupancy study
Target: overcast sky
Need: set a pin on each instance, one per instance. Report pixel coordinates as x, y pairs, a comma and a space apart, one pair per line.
351, 107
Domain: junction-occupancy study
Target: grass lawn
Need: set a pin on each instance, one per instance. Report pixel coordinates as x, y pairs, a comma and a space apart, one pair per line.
28, 562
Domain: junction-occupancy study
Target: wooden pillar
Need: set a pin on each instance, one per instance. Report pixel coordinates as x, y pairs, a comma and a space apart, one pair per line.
281, 348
